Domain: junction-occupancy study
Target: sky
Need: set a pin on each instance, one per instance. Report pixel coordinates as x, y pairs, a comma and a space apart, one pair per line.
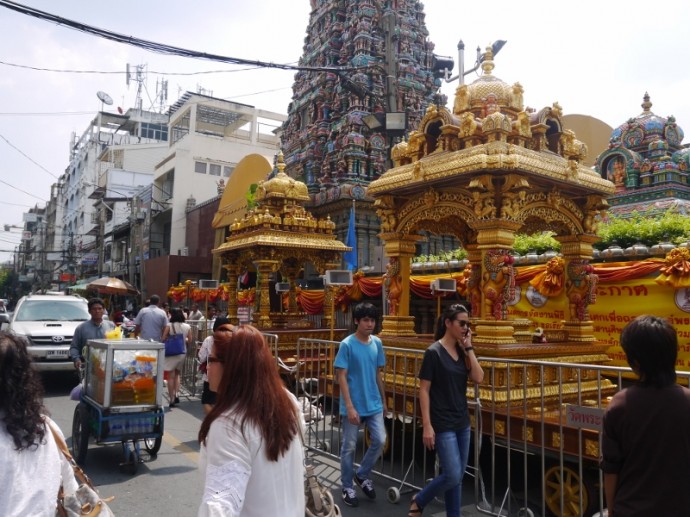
595, 57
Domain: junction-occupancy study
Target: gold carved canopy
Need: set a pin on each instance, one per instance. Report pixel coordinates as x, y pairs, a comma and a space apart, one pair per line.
482, 172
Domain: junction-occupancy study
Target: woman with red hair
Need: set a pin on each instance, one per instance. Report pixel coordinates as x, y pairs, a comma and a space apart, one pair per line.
251, 449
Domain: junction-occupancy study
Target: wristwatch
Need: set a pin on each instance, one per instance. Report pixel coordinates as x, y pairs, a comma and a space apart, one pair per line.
468, 349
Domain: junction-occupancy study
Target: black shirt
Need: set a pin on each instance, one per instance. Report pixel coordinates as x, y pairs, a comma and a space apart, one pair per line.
448, 391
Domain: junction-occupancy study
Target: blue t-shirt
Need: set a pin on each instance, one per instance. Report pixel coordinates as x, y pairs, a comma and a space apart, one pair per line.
362, 361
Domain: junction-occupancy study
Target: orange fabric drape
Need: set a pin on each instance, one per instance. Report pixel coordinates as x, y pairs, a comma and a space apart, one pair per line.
676, 269
311, 301
550, 282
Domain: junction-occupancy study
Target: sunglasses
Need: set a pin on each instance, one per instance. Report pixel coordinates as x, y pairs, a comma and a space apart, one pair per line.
211, 360
464, 323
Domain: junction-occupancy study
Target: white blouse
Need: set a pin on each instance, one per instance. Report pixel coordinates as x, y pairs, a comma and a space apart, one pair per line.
240, 481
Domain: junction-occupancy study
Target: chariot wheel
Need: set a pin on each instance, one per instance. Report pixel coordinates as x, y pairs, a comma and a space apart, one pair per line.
564, 481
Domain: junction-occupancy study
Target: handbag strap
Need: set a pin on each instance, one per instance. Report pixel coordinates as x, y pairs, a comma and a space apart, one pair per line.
79, 474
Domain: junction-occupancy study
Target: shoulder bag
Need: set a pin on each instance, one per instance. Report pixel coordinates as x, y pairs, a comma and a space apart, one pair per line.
174, 343
85, 501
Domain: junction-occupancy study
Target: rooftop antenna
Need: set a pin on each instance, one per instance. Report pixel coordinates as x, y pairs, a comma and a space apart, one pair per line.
104, 98
139, 77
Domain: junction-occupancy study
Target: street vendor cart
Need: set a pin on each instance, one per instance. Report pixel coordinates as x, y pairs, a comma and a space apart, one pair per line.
121, 399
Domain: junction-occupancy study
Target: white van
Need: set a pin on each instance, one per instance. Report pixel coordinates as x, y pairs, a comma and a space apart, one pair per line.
48, 323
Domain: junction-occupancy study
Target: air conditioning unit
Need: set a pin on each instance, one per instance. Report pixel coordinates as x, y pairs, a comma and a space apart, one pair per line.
282, 287
338, 277
184, 251
443, 285
208, 284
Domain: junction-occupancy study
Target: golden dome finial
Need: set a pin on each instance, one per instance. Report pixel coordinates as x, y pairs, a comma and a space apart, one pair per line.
488, 63
647, 104
280, 161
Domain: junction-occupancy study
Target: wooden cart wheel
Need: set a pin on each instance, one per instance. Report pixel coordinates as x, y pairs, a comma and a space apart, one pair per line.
153, 445
564, 481
80, 433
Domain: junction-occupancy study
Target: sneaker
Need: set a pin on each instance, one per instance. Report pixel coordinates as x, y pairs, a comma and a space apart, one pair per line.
349, 497
367, 486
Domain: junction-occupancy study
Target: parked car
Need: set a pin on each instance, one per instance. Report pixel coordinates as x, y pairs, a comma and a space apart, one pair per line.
48, 322
4, 315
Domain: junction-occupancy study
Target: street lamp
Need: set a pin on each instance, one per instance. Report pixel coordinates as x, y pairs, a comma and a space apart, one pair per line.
496, 47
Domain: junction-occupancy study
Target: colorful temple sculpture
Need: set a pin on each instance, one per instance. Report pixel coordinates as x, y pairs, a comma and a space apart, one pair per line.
277, 237
327, 142
648, 165
483, 172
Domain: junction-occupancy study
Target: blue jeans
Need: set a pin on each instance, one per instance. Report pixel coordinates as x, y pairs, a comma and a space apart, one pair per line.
452, 449
377, 435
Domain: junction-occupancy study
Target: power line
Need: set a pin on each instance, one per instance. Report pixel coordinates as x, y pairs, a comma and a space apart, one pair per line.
160, 48
28, 158
23, 191
110, 72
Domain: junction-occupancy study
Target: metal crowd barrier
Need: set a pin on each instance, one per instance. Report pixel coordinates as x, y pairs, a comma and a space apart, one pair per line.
190, 379
536, 440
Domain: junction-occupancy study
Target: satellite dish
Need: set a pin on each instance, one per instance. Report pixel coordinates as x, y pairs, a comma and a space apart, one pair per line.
104, 98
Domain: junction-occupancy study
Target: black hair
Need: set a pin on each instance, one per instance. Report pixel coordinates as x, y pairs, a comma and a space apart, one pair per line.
176, 315
95, 301
155, 299
221, 320
364, 310
449, 314
650, 344
21, 393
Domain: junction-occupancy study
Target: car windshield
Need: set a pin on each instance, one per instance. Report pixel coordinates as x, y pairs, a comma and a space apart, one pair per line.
50, 310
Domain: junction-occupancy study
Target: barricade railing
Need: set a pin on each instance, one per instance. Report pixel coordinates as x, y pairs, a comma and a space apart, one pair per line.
191, 377
536, 440
538, 435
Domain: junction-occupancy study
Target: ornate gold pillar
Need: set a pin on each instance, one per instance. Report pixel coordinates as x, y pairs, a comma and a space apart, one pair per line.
400, 249
581, 286
494, 241
233, 270
264, 268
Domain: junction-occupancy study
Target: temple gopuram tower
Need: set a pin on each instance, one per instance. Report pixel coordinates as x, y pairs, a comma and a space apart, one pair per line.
328, 145
648, 164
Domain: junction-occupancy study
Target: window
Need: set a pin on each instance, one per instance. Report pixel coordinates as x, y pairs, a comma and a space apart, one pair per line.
227, 170
154, 131
214, 169
200, 167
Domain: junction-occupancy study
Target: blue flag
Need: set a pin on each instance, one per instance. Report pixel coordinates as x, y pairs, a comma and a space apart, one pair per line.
351, 241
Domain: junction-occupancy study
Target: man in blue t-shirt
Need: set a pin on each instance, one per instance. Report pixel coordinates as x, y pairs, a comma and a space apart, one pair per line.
359, 371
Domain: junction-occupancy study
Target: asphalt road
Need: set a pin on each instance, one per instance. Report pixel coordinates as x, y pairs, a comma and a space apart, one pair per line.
169, 484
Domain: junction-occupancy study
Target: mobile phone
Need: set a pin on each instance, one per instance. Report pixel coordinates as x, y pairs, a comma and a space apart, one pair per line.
467, 332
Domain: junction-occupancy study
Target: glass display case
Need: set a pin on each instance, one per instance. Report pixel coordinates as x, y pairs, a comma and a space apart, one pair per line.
122, 374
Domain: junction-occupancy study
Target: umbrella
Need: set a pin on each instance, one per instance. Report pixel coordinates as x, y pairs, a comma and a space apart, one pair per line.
111, 285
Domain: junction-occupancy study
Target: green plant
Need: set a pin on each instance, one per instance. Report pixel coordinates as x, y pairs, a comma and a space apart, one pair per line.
539, 243
671, 226
250, 196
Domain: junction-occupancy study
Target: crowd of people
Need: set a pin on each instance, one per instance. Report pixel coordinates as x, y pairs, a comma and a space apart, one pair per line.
251, 438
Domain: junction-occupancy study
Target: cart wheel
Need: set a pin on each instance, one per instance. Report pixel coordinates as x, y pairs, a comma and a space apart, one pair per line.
153, 445
80, 433
525, 512
325, 445
393, 495
130, 455
567, 482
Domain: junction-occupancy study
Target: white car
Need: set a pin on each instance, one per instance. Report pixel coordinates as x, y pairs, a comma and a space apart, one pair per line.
48, 323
